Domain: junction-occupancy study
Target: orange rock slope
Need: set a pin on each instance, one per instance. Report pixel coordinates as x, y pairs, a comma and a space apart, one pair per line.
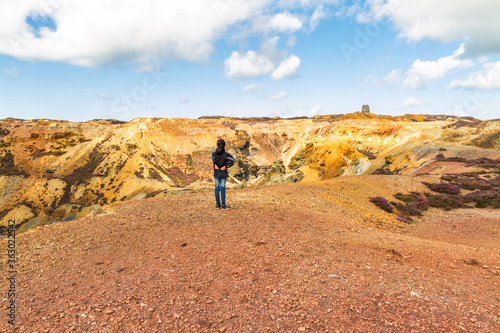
57, 170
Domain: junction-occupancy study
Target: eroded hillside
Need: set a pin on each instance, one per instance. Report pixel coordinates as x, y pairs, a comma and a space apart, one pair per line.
57, 170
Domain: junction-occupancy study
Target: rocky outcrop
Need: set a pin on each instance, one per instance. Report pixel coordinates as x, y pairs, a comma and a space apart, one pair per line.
59, 171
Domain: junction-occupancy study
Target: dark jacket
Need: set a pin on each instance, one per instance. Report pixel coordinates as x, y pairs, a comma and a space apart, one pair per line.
221, 158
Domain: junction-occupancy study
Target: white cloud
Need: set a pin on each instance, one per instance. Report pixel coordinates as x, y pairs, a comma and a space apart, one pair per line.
412, 102
94, 32
319, 13
347, 11
287, 68
11, 71
278, 96
422, 72
250, 87
486, 79
292, 4
147, 33
376, 10
250, 64
444, 21
279, 23
285, 22
268, 59
393, 77
269, 48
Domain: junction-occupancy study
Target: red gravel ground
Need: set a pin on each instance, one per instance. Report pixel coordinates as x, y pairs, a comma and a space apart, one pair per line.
307, 257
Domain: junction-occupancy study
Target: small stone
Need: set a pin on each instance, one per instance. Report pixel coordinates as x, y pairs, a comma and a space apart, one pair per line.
472, 262
302, 329
204, 323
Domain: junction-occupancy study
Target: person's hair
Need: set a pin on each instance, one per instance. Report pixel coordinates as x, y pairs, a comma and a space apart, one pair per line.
221, 143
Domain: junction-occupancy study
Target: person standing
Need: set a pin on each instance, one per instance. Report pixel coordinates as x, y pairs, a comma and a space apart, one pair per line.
222, 160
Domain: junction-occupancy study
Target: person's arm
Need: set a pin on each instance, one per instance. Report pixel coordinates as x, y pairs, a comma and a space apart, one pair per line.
229, 161
213, 160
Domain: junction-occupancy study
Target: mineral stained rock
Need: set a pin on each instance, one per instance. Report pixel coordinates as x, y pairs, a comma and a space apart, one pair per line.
59, 171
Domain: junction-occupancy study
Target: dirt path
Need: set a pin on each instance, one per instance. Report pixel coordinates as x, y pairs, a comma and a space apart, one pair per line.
288, 258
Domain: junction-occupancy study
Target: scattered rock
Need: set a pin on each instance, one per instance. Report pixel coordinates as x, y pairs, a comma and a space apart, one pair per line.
204, 323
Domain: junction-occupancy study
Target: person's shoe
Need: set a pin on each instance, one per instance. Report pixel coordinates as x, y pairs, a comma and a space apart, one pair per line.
218, 206
226, 207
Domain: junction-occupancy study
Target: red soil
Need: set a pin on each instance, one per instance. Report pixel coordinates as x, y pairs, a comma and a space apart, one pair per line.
314, 257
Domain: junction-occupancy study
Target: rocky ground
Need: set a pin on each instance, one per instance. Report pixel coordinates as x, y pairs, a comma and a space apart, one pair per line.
304, 257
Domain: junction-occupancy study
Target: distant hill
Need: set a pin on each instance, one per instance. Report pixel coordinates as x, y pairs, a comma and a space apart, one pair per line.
57, 170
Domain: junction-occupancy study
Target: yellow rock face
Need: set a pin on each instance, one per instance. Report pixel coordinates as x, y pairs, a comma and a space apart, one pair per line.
57, 170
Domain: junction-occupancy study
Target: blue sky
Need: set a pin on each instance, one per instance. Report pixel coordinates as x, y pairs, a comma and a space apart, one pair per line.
80, 60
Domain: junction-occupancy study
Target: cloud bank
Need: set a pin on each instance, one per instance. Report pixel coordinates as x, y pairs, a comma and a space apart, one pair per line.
92, 33
475, 22
422, 72
486, 79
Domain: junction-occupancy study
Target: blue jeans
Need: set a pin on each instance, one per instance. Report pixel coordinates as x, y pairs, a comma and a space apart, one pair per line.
220, 186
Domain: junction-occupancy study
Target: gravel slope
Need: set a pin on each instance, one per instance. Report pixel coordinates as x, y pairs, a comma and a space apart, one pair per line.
314, 257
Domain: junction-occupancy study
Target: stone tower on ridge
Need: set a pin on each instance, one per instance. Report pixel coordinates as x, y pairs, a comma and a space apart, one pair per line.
365, 109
